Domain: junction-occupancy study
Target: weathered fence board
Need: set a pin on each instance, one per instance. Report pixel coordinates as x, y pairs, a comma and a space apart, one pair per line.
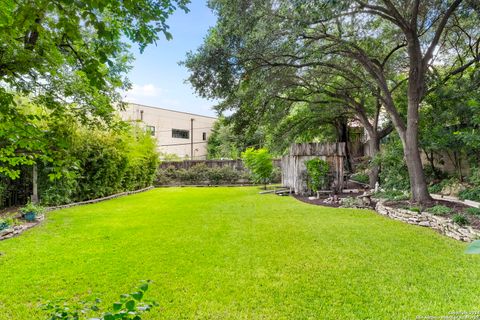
294, 170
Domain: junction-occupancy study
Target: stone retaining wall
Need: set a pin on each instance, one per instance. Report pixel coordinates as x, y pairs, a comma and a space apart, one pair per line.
443, 225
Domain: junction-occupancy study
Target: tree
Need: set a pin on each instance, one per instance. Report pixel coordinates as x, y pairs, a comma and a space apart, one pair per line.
68, 57
259, 162
387, 48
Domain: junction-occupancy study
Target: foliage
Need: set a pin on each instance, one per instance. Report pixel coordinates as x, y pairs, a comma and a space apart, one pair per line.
200, 174
69, 58
474, 177
317, 170
460, 219
393, 195
227, 142
473, 211
31, 207
440, 210
260, 164
470, 194
97, 163
394, 173
351, 202
129, 306
251, 60
360, 177
5, 223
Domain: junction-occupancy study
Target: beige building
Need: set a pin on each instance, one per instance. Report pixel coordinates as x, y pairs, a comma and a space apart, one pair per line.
179, 133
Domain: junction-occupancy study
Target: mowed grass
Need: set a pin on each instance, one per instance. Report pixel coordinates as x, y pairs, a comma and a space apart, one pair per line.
230, 253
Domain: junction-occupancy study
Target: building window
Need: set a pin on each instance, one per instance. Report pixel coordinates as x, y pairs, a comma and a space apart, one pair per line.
204, 136
151, 130
181, 134
141, 115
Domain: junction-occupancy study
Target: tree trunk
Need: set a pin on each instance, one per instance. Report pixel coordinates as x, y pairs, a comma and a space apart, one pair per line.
374, 148
416, 86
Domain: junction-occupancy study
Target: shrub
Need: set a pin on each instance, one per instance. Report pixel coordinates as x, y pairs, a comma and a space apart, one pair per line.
473, 211
393, 195
260, 164
460, 219
351, 202
394, 173
474, 177
317, 170
470, 194
360, 177
4, 224
130, 306
440, 210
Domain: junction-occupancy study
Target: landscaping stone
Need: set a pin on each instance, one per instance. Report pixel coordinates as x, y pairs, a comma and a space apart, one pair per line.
425, 219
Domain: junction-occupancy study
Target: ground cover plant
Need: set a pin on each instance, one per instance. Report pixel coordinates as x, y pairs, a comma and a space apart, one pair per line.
231, 253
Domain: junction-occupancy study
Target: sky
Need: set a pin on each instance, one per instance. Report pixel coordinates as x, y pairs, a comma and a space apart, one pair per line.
157, 78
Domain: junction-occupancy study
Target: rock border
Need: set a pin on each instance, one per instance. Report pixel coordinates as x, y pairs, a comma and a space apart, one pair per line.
17, 230
425, 219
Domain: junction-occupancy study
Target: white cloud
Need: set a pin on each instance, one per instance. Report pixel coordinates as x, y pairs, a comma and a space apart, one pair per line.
140, 91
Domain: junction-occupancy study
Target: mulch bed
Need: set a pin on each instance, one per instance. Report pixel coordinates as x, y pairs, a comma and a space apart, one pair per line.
322, 198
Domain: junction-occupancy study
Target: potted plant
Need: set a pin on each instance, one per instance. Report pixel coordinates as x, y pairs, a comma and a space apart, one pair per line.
31, 211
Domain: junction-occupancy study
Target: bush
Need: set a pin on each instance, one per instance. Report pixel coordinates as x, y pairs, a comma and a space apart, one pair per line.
360, 177
317, 170
473, 211
93, 163
260, 164
440, 210
392, 195
474, 177
200, 173
394, 172
470, 194
351, 202
460, 219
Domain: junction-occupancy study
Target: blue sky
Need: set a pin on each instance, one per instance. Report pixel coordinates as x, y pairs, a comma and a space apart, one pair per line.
157, 78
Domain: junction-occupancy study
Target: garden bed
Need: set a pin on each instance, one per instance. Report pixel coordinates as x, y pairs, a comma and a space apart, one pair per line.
443, 223
321, 200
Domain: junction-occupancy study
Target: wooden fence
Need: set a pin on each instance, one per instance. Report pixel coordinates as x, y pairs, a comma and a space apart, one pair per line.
294, 171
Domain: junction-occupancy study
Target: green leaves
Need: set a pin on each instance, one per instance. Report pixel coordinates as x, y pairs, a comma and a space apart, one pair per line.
259, 162
130, 307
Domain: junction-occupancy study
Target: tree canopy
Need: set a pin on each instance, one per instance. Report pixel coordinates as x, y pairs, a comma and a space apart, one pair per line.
68, 57
360, 54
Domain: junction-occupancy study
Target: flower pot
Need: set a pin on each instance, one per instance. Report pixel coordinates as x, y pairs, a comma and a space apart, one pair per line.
30, 216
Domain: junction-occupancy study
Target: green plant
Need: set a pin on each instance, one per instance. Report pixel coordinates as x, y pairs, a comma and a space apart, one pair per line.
351, 202
4, 224
317, 170
394, 173
460, 219
130, 306
360, 177
474, 177
415, 209
440, 210
392, 195
260, 164
31, 211
473, 211
470, 194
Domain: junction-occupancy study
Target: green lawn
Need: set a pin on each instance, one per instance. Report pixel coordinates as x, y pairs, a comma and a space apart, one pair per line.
230, 253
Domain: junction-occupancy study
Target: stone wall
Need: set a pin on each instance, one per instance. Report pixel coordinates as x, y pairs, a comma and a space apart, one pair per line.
443, 225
